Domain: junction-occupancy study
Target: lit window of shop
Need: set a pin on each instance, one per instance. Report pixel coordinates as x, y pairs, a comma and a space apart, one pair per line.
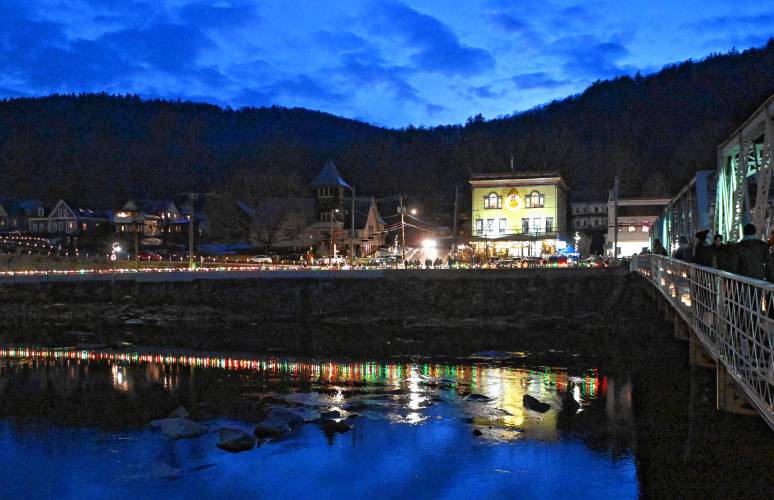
535, 200
631, 228
537, 225
493, 200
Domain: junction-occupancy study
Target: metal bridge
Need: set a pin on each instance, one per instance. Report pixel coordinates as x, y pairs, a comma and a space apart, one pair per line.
729, 320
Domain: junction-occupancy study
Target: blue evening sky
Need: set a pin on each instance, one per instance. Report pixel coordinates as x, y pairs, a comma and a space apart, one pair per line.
388, 62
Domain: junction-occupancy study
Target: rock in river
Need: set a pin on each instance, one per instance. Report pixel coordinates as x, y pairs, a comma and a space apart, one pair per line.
477, 397
278, 422
234, 440
179, 412
330, 415
331, 427
179, 428
534, 404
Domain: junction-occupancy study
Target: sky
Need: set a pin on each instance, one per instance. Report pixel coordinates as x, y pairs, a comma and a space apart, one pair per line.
387, 62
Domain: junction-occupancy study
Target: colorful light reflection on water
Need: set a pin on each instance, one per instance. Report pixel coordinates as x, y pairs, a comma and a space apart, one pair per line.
420, 442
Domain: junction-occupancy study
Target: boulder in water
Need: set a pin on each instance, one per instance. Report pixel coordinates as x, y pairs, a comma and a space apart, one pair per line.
180, 428
534, 404
332, 427
477, 397
179, 412
278, 423
234, 440
569, 405
330, 415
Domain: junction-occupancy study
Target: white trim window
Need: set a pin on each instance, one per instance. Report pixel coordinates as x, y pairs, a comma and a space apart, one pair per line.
493, 200
502, 226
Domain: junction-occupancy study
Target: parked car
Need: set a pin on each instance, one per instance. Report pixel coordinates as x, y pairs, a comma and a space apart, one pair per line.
149, 256
332, 261
260, 259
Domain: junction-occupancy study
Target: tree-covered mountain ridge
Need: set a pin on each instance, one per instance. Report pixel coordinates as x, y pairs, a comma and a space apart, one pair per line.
653, 131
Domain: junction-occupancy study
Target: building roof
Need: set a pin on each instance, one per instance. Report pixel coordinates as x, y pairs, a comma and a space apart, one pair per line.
362, 209
20, 207
521, 177
330, 176
150, 206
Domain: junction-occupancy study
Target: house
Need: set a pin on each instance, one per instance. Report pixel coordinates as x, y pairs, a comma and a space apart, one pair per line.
15, 214
330, 211
518, 214
370, 231
150, 218
69, 221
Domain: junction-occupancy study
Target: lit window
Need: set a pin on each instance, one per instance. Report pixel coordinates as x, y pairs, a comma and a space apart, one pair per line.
535, 200
490, 226
503, 224
645, 228
537, 225
493, 200
631, 228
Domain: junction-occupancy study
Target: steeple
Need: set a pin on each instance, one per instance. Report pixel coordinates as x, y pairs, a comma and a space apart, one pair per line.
329, 176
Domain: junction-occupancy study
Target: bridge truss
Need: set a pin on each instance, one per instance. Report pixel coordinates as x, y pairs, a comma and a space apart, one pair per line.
744, 171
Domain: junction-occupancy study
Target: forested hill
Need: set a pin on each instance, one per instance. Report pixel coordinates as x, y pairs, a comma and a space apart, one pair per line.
653, 131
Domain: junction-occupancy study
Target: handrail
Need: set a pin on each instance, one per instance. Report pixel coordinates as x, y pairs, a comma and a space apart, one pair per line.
731, 315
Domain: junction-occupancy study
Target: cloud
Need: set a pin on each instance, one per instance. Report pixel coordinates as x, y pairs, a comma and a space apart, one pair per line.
587, 56
435, 47
207, 14
434, 109
731, 22
538, 80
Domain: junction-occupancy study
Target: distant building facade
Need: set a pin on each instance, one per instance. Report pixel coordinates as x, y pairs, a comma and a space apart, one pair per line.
520, 214
64, 220
631, 219
149, 218
15, 215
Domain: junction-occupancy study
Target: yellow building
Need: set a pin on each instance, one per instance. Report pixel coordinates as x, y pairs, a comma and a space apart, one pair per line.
520, 214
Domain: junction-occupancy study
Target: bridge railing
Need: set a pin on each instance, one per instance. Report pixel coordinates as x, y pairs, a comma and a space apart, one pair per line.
732, 316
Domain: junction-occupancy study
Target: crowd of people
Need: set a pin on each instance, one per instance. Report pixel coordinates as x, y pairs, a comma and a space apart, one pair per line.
750, 257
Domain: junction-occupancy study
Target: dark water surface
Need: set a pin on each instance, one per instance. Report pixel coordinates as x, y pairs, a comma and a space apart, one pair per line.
76, 424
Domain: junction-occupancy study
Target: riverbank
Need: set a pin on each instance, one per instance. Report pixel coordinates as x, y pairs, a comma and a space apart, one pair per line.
442, 313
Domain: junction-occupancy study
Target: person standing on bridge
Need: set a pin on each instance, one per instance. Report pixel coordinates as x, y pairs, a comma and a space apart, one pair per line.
702, 254
658, 248
683, 251
725, 257
752, 256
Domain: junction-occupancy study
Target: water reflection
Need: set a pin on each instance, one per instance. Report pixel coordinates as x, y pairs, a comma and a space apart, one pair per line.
415, 419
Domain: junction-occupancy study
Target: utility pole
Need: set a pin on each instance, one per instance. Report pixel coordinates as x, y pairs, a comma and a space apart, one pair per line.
454, 216
191, 232
402, 211
615, 220
352, 231
136, 245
